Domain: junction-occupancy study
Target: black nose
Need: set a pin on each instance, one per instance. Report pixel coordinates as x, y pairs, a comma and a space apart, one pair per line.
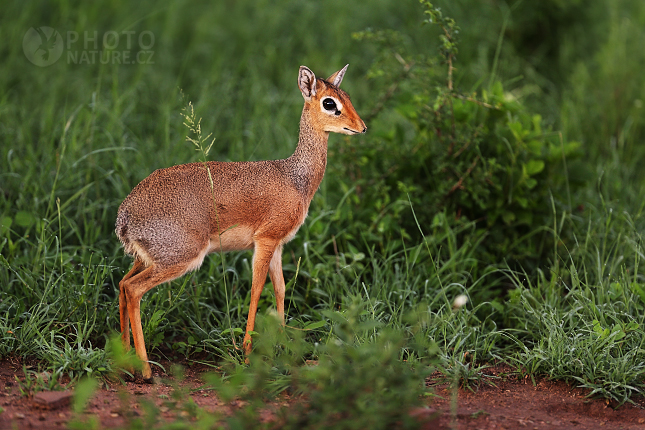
364, 130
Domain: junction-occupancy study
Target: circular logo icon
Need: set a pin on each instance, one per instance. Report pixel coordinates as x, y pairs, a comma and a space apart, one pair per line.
43, 46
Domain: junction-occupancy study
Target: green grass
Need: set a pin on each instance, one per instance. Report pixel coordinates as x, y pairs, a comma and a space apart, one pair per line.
75, 139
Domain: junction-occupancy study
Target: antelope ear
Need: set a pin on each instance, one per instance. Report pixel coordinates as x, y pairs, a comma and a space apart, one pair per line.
337, 77
307, 82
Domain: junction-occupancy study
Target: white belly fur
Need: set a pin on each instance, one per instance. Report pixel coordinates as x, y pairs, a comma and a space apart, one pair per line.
238, 238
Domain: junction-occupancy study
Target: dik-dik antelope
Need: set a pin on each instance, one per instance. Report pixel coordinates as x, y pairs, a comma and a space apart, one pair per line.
175, 217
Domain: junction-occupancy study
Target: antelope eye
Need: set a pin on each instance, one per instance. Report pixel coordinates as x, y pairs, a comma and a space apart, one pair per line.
329, 104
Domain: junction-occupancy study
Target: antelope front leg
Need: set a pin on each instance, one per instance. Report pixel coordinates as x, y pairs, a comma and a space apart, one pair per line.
264, 251
277, 278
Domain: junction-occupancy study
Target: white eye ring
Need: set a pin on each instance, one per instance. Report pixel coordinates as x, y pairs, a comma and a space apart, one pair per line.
336, 111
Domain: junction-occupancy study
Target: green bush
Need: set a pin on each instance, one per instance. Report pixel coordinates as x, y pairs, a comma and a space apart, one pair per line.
478, 162
357, 380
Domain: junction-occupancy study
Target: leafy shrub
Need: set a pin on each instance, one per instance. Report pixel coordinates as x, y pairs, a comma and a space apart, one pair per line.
478, 162
357, 381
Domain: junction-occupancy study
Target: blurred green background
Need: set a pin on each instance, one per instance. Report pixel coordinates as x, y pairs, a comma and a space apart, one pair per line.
516, 181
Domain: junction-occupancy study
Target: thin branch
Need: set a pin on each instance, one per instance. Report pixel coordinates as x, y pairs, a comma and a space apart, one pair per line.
460, 182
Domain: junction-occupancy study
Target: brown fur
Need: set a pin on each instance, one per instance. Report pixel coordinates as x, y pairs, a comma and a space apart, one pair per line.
169, 223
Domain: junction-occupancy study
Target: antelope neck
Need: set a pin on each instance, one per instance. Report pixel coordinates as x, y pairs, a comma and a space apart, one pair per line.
307, 164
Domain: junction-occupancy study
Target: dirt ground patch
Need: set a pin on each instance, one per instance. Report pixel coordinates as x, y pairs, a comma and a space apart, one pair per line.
509, 404
515, 404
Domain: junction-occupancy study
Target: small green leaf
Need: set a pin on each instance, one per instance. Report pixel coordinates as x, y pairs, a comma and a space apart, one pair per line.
632, 326
535, 147
619, 333
639, 290
438, 220
497, 305
531, 183
508, 217
24, 219
178, 345
517, 130
534, 167
315, 325
537, 123
358, 256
